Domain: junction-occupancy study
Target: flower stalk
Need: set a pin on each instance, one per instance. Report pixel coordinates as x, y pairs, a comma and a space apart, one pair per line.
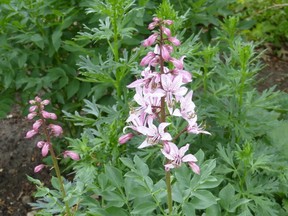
160, 92
48, 131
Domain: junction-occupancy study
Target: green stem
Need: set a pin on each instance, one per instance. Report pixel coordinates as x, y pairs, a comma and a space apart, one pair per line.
56, 166
163, 119
169, 191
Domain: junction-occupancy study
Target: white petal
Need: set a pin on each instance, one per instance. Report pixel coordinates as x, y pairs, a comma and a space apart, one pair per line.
189, 158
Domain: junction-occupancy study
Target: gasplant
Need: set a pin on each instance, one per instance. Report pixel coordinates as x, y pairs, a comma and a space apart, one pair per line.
48, 130
160, 95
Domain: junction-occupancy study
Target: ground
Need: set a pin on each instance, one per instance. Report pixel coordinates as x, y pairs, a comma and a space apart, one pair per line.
19, 156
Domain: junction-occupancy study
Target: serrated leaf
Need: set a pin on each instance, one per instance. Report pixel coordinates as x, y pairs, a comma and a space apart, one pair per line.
34, 181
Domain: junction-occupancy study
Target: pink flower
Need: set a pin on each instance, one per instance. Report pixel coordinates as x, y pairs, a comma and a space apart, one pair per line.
48, 115
37, 124
31, 115
165, 51
150, 40
148, 58
71, 154
166, 31
125, 138
31, 133
174, 41
154, 23
194, 128
172, 87
135, 121
56, 130
177, 63
45, 102
40, 144
154, 134
33, 108
45, 149
168, 22
187, 108
177, 156
38, 168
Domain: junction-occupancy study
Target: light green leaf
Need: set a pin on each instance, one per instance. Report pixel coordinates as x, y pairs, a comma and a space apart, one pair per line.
127, 162
144, 208
115, 176
226, 196
202, 199
141, 166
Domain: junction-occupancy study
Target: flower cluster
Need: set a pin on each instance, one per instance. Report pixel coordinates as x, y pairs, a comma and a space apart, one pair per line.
160, 91
37, 110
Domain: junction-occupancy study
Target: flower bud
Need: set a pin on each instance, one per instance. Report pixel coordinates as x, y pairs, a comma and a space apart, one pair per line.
150, 40
38, 99
30, 116
147, 59
125, 138
48, 115
45, 149
165, 53
168, 22
37, 124
175, 41
40, 144
31, 133
39, 168
166, 31
71, 154
32, 108
45, 102
56, 130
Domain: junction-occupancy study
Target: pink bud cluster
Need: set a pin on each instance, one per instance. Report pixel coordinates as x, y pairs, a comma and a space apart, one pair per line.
160, 83
37, 110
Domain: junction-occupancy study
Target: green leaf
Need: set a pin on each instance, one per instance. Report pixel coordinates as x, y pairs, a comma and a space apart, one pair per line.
113, 196
72, 88
237, 203
213, 210
144, 208
55, 183
127, 162
202, 199
117, 211
188, 209
115, 176
38, 40
34, 181
226, 196
141, 166
56, 39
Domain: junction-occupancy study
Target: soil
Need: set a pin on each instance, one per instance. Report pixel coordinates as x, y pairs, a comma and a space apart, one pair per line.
19, 156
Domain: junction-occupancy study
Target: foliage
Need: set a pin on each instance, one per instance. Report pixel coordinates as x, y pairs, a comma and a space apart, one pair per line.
36, 52
264, 20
